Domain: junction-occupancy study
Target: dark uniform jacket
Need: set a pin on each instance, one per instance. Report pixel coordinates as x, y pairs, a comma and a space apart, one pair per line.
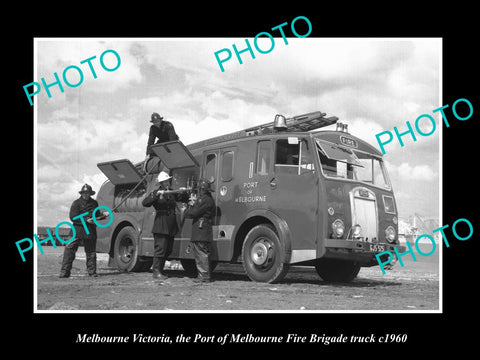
202, 213
165, 220
165, 132
79, 207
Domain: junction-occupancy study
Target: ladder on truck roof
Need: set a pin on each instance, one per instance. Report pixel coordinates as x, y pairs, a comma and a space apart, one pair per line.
305, 122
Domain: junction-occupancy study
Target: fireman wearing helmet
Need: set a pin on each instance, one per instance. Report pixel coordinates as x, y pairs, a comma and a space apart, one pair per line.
164, 226
81, 214
162, 130
202, 211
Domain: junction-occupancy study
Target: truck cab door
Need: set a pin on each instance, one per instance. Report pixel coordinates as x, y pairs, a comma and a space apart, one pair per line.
219, 167
294, 193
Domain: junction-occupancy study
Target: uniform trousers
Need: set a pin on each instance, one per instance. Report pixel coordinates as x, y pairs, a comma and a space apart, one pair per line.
162, 248
201, 252
90, 254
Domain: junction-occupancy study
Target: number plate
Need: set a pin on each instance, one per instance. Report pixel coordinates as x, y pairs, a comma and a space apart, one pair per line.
377, 248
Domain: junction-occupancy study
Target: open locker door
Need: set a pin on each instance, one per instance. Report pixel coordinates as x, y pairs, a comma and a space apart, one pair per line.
120, 172
174, 155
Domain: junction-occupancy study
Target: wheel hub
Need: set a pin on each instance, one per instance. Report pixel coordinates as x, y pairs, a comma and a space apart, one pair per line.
126, 250
259, 253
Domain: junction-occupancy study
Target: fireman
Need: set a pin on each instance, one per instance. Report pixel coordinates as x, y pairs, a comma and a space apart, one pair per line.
162, 130
164, 226
85, 230
202, 211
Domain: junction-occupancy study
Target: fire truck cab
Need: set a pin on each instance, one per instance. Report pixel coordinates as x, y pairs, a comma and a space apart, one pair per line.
284, 194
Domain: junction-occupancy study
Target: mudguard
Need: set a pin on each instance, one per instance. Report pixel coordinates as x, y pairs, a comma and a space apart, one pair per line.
105, 236
282, 228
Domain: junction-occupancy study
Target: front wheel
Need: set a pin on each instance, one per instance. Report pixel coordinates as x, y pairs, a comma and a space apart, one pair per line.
334, 270
125, 251
262, 255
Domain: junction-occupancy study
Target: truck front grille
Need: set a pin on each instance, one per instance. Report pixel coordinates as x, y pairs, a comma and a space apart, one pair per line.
364, 213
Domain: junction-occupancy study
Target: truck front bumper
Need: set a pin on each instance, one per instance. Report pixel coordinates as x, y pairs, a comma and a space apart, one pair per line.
358, 250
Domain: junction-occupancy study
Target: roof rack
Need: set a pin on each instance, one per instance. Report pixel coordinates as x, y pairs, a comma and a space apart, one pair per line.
305, 122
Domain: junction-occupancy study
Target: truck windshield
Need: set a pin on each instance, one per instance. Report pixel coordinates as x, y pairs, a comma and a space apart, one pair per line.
341, 162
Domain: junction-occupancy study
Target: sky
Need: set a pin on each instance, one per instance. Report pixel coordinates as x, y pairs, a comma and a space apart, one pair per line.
370, 84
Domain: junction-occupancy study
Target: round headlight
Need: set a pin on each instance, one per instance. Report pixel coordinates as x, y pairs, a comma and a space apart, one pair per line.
338, 228
356, 231
390, 234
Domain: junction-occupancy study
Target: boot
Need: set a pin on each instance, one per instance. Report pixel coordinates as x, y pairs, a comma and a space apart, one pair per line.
64, 274
157, 268
92, 264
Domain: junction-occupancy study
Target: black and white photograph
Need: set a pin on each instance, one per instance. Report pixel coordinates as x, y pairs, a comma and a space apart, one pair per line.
302, 197
280, 179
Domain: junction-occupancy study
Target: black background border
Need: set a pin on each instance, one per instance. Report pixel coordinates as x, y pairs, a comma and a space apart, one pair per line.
427, 333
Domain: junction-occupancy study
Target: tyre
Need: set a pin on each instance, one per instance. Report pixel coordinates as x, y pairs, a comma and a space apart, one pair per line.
334, 270
125, 251
262, 255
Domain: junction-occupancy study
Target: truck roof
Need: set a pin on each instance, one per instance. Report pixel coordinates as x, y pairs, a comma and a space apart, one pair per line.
346, 139
335, 137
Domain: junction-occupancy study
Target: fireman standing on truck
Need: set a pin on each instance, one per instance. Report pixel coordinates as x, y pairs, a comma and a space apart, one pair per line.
162, 130
81, 214
202, 211
164, 226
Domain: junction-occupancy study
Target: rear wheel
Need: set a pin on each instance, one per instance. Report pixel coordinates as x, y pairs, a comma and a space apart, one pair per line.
262, 255
125, 251
334, 270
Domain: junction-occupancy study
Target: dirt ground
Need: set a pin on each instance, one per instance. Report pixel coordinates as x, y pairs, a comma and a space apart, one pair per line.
414, 287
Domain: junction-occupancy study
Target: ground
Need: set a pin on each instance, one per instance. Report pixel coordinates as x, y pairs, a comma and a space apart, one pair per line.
412, 287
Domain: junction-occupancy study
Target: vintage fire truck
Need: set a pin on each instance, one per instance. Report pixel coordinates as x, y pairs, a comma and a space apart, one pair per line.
285, 194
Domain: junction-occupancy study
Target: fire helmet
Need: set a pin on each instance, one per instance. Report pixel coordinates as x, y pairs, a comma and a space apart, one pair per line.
156, 117
163, 176
205, 185
86, 189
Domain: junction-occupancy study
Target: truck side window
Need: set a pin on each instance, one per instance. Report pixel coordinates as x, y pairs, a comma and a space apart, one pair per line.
263, 157
209, 169
293, 158
286, 157
227, 166
286, 154
306, 161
